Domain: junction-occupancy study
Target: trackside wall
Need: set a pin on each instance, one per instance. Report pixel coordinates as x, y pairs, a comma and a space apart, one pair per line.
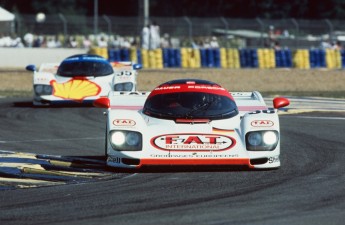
186, 57
264, 58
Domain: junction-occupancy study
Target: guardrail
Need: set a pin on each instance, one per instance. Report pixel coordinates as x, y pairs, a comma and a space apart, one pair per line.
263, 58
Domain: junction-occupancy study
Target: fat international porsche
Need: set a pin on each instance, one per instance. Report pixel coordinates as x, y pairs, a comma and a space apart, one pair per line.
81, 79
191, 122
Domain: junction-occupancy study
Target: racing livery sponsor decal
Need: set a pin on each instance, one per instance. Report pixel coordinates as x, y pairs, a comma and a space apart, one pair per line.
274, 159
195, 142
113, 159
167, 88
206, 87
121, 64
262, 123
50, 69
211, 89
218, 130
195, 155
124, 122
75, 89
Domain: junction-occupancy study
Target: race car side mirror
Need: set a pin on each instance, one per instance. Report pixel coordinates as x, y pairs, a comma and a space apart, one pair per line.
102, 102
137, 66
280, 102
31, 68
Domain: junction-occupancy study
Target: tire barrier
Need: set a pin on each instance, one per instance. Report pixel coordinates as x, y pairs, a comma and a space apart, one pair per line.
333, 59
190, 58
230, 58
134, 56
317, 58
119, 55
100, 51
342, 53
227, 58
283, 58
301, 59
248, 58
266, 58
171, 57
151, 58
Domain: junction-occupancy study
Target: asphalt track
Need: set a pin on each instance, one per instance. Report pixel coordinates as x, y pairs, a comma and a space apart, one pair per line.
309, 188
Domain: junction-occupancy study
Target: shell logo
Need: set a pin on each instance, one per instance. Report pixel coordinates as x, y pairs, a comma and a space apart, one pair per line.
75, 89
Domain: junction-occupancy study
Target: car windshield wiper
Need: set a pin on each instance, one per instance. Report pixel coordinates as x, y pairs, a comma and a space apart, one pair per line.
199, 108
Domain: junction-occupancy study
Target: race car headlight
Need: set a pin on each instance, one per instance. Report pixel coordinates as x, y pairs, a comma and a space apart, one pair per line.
43, 89
254, 138
124, 140
269, 138
262, 140
128, 86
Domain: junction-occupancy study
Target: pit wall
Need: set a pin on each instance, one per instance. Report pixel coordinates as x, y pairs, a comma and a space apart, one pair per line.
228, 58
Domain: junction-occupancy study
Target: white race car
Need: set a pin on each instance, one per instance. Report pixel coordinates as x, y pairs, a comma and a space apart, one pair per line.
81, 79
191, 122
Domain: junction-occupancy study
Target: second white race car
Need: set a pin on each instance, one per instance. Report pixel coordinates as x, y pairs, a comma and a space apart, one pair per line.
191, 122
81, 79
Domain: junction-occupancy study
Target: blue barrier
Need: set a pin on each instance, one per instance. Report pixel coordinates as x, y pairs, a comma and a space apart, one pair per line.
171, 57
249, 58
114, 55
209, 58
125, 54
119, 55
279, 57
203, 58
178, 59
139, 58
216, 57
317, 58
283, 58
288, 58
175, 58
166, 57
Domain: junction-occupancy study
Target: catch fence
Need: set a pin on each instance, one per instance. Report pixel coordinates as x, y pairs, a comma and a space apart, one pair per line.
231, 33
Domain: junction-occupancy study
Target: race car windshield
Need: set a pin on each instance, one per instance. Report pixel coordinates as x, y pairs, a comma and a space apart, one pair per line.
190, 105
84, 68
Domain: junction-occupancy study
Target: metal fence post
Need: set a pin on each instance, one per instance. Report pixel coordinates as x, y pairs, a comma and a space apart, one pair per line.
190, 28
95, 17
18, 25
226, 25
262, 28
330, 25
64, 21
297, 31
108, 21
